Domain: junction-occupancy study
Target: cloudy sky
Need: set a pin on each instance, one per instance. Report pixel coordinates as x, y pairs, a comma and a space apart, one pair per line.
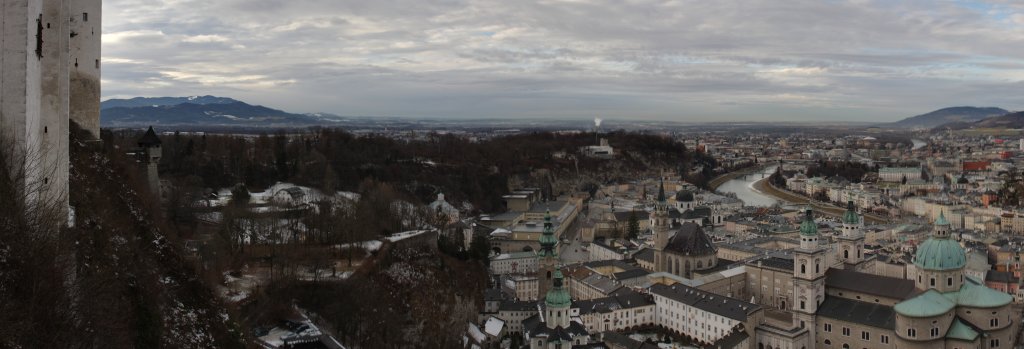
685, 60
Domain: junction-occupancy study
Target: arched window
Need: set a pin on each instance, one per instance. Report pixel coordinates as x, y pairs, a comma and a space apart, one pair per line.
803, 269
817, 268
760, 345
549, 275
846, 346
828, 342
846, 253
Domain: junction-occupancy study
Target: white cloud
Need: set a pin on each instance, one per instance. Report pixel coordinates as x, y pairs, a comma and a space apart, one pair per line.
663, 59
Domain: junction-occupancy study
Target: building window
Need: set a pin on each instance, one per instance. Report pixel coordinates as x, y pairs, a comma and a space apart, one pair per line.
828, 342
802, 305
39, 37
846, 331
949, 281
993, 322
884, 339
865, 336
828, 327
935, 332
85, 16
993, 343
912, 333
933, 281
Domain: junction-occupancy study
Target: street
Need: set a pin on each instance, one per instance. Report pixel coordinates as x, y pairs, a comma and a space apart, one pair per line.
573, 252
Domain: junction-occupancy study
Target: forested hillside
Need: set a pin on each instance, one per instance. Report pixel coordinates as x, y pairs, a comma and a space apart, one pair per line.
477, 172
114, 280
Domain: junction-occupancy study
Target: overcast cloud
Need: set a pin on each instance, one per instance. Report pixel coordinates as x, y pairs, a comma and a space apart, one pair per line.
671, 60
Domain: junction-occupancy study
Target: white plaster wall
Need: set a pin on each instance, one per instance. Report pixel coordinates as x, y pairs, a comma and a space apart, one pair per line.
85, 48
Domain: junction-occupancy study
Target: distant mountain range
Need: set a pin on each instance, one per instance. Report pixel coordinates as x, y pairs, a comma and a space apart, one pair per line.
1008, 121
949, 115
201, 111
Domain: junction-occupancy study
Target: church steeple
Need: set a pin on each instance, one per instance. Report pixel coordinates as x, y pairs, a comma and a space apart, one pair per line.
547, 256
547, 238
557, 303
941, 226
809, 268
808, 231
851, 241
660, 226
661, 191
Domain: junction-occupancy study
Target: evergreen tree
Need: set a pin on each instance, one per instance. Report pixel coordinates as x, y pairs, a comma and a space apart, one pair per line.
480, 248
632, 226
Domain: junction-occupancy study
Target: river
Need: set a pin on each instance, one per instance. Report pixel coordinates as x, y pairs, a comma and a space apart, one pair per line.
744, 188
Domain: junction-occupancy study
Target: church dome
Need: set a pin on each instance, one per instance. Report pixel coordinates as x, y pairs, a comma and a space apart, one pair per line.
808, 227
684, 196
940, 254
850, 217
557, 296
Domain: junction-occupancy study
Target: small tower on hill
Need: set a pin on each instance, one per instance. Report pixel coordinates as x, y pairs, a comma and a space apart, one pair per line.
151, 153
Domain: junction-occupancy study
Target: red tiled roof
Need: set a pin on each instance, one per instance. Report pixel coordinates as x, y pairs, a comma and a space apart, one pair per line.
976, 165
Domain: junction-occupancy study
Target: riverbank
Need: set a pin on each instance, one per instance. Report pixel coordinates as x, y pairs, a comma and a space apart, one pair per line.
718, 181
765, 187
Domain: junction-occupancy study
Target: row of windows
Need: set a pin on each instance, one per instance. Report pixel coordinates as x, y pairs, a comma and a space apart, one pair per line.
864, 335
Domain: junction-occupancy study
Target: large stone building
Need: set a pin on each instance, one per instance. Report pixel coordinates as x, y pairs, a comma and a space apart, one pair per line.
49, 73
814, 295
679, 249
847, 308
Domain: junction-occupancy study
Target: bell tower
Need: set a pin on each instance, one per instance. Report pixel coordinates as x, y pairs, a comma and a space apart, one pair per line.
547, 257
809, 268
660, 226
851, 241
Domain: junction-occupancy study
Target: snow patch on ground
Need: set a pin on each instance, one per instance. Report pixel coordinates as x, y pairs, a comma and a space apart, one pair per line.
405, 235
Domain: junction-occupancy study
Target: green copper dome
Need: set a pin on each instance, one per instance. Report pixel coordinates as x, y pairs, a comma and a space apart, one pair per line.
850, 217
979, 296
558, 296
808, 227
931, 303
940, 254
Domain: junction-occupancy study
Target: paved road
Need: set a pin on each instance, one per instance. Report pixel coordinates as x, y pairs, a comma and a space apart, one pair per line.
574, 251
826, 208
